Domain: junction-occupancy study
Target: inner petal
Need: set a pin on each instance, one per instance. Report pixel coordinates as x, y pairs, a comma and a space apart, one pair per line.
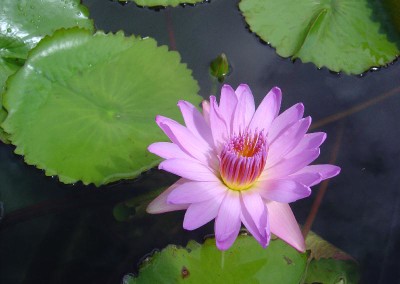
242, 159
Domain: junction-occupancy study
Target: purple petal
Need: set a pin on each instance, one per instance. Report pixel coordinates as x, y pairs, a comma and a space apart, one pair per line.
195, 122
227, 222
227, 104
188, 169
254, 216
289, 166
218, 125
205, 105
287, 141
185, 139
267, 111
196, 191
284, 191
201, 213
244, 109
160, 205
309, 141
325, 171
228, 242
284, 225
308, 179
285, 120
168, 150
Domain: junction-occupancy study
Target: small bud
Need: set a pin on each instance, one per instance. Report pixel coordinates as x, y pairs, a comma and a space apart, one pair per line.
219, 67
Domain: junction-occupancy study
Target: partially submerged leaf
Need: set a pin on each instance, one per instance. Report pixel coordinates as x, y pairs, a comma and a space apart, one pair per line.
83, 106
341, 35
328, 264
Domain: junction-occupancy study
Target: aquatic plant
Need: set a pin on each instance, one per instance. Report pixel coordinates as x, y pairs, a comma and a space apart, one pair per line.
240, 165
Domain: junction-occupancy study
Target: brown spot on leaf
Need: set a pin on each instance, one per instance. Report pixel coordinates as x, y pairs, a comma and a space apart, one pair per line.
185, 272
288, 260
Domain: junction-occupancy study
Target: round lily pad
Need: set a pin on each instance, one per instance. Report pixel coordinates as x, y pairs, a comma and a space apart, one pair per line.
340, 35
164, 3
244, 262
24, 23
83, 105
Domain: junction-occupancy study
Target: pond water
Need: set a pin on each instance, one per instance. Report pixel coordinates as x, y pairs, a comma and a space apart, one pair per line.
55, 233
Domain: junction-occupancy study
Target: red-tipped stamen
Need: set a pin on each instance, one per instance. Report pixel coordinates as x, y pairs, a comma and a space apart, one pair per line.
243, 159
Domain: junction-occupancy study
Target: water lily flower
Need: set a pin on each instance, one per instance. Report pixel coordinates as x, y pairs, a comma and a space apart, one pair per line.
240, 166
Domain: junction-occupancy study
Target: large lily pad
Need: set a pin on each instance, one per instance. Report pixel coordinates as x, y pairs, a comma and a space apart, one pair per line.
244, 262
24, 23
247, 262
344, 36
83, 105
164, 3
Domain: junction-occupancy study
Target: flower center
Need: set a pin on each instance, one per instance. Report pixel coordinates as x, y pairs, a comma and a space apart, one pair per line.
243, 159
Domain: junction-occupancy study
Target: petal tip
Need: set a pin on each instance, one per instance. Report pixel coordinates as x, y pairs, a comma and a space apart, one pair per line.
277, 90
224, 245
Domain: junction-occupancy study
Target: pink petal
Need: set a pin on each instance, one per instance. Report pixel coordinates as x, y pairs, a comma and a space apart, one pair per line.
252, 228
308, 179
160, 205
196, 191
205, 105
244, 109
284, 191
168, 150
218, 125
267, 111
201, 213
227, 222
254, 216
285, 120
188, 169
185, 139
289, 166
195, 122
228, 242
325, 171
227, 104
287, 141
309, 141
284, 225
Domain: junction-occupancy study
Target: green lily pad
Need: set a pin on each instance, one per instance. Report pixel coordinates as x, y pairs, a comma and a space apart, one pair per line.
340, 35
83, 105
164, 3
24, 23
245, 262
329, 264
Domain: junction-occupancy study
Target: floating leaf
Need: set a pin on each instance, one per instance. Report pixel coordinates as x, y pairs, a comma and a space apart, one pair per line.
24, 23
331, 271
244, 262
219, 67
329, 264
83, 105
247, 262
341, 35
162, 3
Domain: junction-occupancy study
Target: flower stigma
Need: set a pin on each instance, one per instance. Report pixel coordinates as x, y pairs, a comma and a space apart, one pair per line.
243, 159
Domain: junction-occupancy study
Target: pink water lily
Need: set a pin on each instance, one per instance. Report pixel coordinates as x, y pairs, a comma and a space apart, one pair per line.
240, 166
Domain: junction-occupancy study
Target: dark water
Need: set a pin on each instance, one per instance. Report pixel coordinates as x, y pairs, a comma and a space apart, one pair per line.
55, 233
